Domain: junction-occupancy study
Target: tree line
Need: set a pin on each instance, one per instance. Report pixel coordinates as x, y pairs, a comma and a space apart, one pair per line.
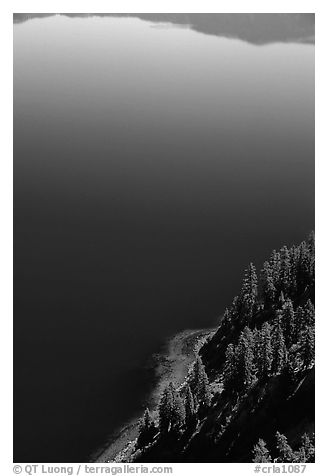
283, 451
178, 409
268, 330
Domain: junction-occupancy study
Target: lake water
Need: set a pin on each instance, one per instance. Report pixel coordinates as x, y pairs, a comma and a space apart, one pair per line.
152, 161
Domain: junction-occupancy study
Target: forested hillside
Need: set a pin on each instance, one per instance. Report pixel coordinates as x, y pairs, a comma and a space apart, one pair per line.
249, 395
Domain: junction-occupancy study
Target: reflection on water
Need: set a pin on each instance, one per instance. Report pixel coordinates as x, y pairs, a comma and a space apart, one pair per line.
257, 28
150, 166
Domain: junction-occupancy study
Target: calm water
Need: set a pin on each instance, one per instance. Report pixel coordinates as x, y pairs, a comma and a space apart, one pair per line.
152, 162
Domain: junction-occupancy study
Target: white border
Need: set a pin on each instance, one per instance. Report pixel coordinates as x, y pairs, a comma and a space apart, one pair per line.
6, 193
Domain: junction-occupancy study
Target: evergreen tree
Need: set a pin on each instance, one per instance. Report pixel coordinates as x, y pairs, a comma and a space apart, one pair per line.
226, 320
288, 322
165, 410
298, 326
266, 354
235, 308
190, 410
308, 347
279, 350
261, 453
249, 293
257, 344
306, 453
245, 368
304, 319
293, 365
285, 271
204, 394
305, 267
171, 410
308, 315
294, 260
230, 369
311, 243
145, 422
281, 299
275, 267
198, 382
177, 410
311, 248
268, 288
146, 429
285, 453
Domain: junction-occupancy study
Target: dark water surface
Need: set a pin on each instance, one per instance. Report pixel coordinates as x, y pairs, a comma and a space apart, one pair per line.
152, 162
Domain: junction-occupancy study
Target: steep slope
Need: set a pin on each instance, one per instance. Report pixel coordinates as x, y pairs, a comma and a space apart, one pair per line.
249, 395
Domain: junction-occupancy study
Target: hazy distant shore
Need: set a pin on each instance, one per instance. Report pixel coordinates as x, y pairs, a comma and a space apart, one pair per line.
170, 366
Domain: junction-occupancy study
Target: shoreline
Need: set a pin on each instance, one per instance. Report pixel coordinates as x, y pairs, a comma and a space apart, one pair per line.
171, 365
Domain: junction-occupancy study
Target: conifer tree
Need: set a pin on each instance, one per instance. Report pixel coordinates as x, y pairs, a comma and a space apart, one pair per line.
190, 410
146, 429
171, 410
311, 243
204, 394
285, 271
226, 320
177, 410
311, 248
245, 368
288, 321
275, 267
230, 369
146, 420
235, 308
257, 348
299, 324
279, 350
268, 288
165, 410
308, 315
304, 319
249, 293
285, 452
305, 266
306, 453
293, 365
265, 357
198, 382
261, 453
308, 353
281, 299
294, 259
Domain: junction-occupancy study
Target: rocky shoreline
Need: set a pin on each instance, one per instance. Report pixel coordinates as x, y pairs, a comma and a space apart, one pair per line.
169, 366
